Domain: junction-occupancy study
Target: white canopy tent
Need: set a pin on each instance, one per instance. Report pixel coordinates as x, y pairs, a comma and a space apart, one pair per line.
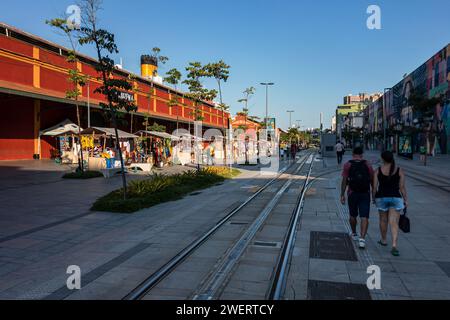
109, 132
159, 134
64, 127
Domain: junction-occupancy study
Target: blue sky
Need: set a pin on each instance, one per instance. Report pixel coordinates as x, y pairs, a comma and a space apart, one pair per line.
316, 51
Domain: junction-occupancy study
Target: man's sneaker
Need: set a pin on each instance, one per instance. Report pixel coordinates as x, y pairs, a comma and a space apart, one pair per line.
362, 243
354, 236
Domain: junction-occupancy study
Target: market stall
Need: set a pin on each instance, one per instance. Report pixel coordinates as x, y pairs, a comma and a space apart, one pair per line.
67, 145
159, 148
100, 144
213, 150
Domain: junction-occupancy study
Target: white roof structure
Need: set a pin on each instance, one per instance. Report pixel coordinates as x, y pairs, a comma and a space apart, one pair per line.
110, 132
159, 134
64, 127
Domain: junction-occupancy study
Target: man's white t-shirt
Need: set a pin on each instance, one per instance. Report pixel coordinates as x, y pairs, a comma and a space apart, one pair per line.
339, 147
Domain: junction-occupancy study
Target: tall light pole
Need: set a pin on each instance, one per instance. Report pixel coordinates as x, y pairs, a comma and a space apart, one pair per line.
267, 84
298, 123
384, 117
89, 103
290, 117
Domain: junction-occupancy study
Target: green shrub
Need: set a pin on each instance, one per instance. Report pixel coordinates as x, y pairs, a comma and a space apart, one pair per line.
162, 188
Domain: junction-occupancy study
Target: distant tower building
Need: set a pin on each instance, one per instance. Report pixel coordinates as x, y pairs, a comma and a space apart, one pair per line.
149, 68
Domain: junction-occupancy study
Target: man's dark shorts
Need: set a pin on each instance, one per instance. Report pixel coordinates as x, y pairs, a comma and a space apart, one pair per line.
359, 204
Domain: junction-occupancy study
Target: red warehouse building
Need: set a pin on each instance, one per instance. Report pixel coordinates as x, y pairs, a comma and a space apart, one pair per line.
33, 82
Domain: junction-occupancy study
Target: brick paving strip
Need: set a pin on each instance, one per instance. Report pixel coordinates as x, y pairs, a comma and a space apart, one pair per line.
40, 228
64, 292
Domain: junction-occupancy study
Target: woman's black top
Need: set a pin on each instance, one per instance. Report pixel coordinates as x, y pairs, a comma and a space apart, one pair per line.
388, 186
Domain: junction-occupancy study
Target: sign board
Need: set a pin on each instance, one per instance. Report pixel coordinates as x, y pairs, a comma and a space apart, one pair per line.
405, 146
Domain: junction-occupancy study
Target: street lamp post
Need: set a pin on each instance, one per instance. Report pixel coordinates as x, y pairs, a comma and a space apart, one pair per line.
384, 117
290, 117
89, 103
267, 84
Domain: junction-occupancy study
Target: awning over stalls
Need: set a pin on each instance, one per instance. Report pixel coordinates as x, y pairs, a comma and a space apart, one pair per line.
62, 128
109, 132
159, 134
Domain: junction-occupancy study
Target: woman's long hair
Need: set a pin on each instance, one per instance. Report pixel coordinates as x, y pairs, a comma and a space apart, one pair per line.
388, 157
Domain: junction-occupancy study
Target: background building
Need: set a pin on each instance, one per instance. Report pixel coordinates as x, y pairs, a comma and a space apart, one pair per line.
33, 82
402, 121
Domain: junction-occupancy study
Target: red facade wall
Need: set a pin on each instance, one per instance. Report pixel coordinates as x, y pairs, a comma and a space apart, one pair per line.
16, 46
16, 128
54, 80
162, 107
23, 72
51, 58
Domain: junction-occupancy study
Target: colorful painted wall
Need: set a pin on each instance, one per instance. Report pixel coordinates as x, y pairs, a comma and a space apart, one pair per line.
432, 78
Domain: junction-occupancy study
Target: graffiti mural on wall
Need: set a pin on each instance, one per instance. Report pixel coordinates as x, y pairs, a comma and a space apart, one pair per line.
432, 78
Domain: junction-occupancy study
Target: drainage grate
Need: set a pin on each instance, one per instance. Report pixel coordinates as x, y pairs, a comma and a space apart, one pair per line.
194, 193
325, 290
237, 223
267, 244
331, 245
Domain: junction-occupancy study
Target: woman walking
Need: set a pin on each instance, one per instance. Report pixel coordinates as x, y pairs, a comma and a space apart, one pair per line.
389, 194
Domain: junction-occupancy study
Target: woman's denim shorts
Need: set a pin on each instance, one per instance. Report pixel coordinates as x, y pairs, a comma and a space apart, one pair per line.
384, 204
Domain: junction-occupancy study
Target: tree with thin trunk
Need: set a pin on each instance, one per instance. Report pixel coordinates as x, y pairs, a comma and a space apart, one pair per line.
197, 93
116, 90
220, 72
76, 78
173, 77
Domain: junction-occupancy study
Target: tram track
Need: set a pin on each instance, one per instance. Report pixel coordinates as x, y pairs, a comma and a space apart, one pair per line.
145, 288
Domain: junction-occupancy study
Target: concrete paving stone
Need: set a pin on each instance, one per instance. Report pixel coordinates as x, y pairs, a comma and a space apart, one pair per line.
272, 232
430, 295
252, 272
247, 287
198, 264
98, 291
128, 277
416, 282
13, 253
392, 284
182, 280
296, 290
229, 232
379, 296
270, 257
7, 268
154, 260
358, 276
168, 294
20, 243
209, 252
328, 270
59, 247
417, 267
232, 296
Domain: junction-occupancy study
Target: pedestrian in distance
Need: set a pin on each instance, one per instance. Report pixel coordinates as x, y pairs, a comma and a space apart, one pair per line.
293, 151
339, 151
357, 177
390, 197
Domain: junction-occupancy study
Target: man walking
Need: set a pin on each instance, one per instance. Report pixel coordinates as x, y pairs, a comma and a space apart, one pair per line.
357, 177
293, 151
339, 151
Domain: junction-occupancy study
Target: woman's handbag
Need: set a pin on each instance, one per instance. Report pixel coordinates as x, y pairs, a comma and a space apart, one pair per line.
403, 222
